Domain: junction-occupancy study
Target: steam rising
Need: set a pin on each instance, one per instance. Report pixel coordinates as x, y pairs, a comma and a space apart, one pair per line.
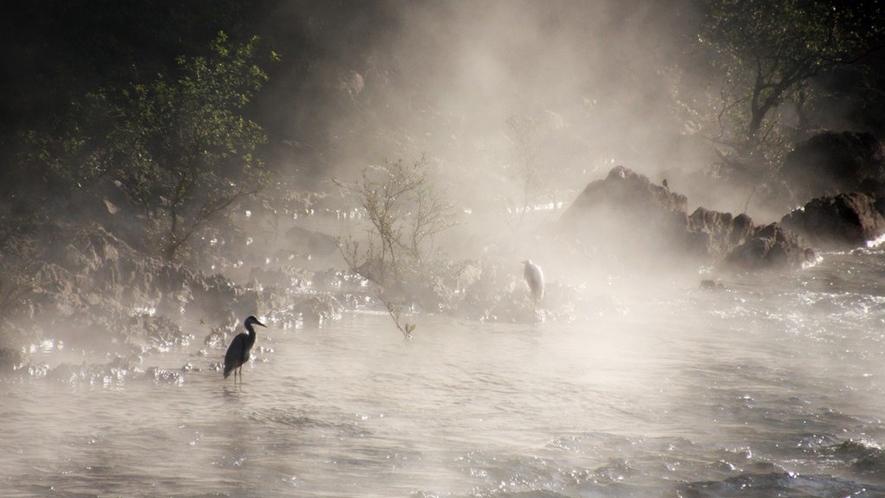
593, 80
516, 105
443, 78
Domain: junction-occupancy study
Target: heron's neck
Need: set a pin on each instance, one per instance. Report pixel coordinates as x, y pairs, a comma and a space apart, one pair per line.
251, 333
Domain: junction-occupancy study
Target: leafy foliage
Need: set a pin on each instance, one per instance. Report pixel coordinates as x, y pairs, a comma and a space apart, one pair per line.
180, 148
395, 312
17, 280
765, 54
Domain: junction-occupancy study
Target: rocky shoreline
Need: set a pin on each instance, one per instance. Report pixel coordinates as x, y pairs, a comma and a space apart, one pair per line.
70, 281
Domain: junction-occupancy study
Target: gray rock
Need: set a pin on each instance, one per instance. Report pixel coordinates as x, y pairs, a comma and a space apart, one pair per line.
647, 224
840, 221
833, 162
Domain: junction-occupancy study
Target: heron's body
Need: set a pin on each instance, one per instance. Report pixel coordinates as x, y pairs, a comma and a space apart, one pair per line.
240, 349
534, 277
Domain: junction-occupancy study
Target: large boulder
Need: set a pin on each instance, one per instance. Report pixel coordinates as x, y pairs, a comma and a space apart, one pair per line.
770, 247
833, 162
627, 190
715, 234
841, 221
646, 224
629, 214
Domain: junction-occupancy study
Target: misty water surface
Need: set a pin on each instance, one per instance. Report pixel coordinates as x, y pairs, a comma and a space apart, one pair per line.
771, 387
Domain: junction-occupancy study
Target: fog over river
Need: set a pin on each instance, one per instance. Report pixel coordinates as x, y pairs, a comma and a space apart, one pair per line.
171, 168
772, 386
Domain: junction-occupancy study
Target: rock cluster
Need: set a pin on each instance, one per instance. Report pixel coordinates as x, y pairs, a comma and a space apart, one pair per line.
831, 163
648, 223
840, 176
841, 221
87, 287
839, 180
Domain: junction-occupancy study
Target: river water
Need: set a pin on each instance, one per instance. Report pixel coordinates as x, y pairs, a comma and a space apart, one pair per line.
772, 386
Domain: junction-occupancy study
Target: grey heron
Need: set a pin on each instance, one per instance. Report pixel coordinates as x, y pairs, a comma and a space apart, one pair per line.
240, 348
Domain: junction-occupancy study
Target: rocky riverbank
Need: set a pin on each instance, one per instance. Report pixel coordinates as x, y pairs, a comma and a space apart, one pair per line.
82, 284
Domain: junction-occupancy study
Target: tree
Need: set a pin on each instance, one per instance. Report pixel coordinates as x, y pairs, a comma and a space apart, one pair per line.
405, 212
765, 54
181, 148
523, 166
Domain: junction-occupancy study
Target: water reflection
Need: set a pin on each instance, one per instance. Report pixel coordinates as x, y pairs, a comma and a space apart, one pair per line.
687, 392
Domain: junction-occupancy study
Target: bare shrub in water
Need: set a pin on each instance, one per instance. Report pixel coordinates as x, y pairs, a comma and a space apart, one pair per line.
405, 211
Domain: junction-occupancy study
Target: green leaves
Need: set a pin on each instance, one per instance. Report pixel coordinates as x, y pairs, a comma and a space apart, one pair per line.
180, 147
765, 52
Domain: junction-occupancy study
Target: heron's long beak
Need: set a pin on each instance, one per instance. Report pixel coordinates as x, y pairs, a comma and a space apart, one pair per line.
259, 323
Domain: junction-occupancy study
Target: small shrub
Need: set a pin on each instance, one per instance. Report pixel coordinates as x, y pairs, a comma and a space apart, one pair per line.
405, 212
